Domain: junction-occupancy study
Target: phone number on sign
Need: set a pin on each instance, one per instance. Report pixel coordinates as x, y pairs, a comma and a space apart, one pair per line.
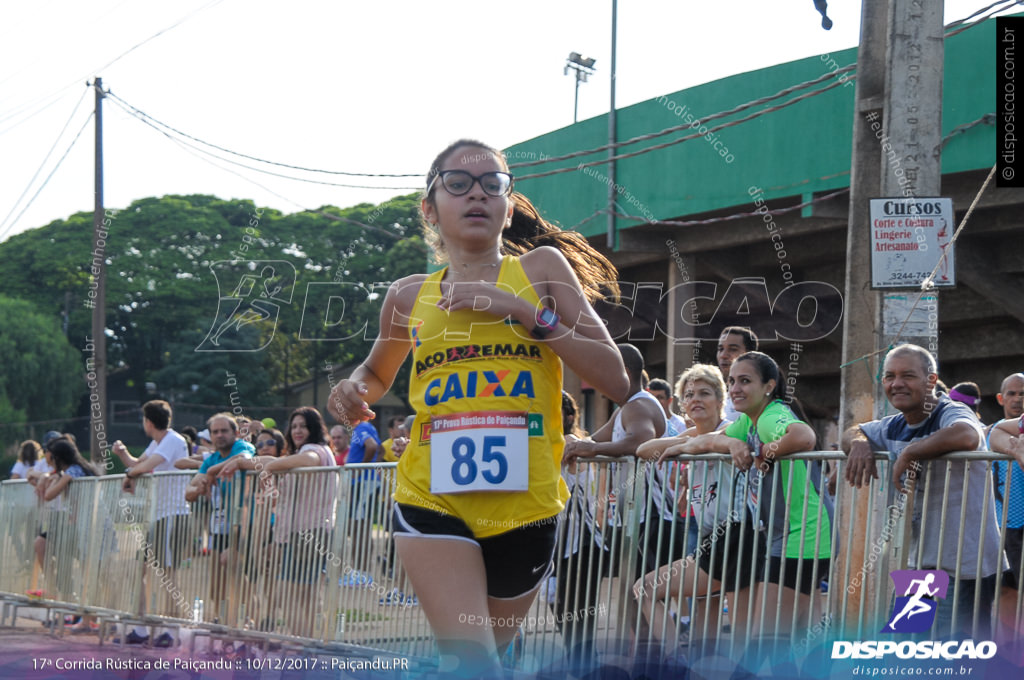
908, 276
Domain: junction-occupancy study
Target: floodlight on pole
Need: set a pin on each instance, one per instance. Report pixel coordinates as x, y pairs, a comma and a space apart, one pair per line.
583, 67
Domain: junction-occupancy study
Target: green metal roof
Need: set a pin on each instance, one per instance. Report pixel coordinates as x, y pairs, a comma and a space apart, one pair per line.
797, 150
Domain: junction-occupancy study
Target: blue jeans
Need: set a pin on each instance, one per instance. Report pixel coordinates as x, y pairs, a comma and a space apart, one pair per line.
962, 628
693, 538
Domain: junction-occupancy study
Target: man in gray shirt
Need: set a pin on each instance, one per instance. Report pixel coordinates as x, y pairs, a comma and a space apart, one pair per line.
927, 426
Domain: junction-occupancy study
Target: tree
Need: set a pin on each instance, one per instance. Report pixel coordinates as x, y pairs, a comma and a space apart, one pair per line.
42, 376
173, 264
210, 372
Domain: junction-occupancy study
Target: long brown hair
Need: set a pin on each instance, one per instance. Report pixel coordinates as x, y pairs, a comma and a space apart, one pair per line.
529, 230
65, 454
30, 452
314, 423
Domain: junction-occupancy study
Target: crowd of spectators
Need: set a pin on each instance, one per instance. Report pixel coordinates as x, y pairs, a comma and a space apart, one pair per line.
710, 531
284, 510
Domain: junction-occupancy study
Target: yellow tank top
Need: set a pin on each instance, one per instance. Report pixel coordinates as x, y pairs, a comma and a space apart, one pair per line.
486, 444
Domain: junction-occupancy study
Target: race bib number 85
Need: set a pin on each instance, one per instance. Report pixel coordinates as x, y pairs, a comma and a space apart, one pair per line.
479, 451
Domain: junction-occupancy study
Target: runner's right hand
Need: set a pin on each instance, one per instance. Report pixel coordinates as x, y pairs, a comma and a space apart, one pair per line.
347, 403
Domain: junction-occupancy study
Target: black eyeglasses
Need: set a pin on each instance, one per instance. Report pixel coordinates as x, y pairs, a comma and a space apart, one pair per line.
459, 182
266, 442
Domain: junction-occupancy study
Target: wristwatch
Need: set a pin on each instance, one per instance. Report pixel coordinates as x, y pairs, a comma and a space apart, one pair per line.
547, 321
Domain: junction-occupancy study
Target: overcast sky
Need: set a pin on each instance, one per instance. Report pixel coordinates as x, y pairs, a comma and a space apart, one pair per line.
358, 87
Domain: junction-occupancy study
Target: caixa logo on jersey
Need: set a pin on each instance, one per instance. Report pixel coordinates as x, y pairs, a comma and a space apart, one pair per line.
914, 608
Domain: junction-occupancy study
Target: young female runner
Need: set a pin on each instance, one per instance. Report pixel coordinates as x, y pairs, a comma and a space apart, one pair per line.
478, 488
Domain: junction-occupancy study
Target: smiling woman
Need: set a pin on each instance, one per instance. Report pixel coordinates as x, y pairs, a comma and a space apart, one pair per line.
480, 481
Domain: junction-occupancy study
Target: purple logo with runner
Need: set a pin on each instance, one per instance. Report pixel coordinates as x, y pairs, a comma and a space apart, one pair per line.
914, 610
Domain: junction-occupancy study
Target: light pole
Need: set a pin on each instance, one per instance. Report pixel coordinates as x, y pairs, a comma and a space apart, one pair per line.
583, 66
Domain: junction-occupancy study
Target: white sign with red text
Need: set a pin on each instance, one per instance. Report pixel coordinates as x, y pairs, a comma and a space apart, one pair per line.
910, 237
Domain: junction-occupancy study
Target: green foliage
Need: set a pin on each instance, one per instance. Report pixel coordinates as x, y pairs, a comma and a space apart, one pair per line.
43, 375
163, 258
210, 371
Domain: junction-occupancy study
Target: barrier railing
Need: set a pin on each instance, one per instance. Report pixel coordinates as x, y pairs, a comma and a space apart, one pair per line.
308, 557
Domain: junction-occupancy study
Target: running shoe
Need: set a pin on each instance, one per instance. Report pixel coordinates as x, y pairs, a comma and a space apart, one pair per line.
133, 638
514, 652
355, 579
164, 640
396, 598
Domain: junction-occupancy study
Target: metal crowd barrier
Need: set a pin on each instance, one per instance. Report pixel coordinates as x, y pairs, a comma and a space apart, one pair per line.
307, 558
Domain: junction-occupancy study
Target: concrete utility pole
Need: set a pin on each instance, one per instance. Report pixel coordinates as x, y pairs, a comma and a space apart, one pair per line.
913, 165
613, 135
899, 86
99, 303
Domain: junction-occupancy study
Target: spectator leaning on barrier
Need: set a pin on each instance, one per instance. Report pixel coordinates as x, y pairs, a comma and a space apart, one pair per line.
1005, 437
68, 464
227, 500
702, 393
583, 558
927, 426
1009, 490
640, 419
170, 528
783, 495
304, 514
43, 466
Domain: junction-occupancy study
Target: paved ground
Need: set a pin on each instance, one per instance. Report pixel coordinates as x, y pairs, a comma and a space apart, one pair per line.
28, 650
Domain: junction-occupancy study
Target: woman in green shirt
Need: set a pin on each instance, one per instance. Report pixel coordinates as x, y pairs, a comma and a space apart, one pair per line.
786, 501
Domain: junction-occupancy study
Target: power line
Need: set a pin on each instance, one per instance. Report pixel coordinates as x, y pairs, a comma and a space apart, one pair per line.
45, 158
927, 286
56, 97
735, 216
195, 152
46, 181
676, 128
696, 135
158, 34
954, 24
186, 141
988, 118
149, 119
17, 110
163, 128
1006, 4
742, 107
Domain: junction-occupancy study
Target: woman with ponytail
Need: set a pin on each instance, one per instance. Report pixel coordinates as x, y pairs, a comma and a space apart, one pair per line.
785, 498
479, 488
